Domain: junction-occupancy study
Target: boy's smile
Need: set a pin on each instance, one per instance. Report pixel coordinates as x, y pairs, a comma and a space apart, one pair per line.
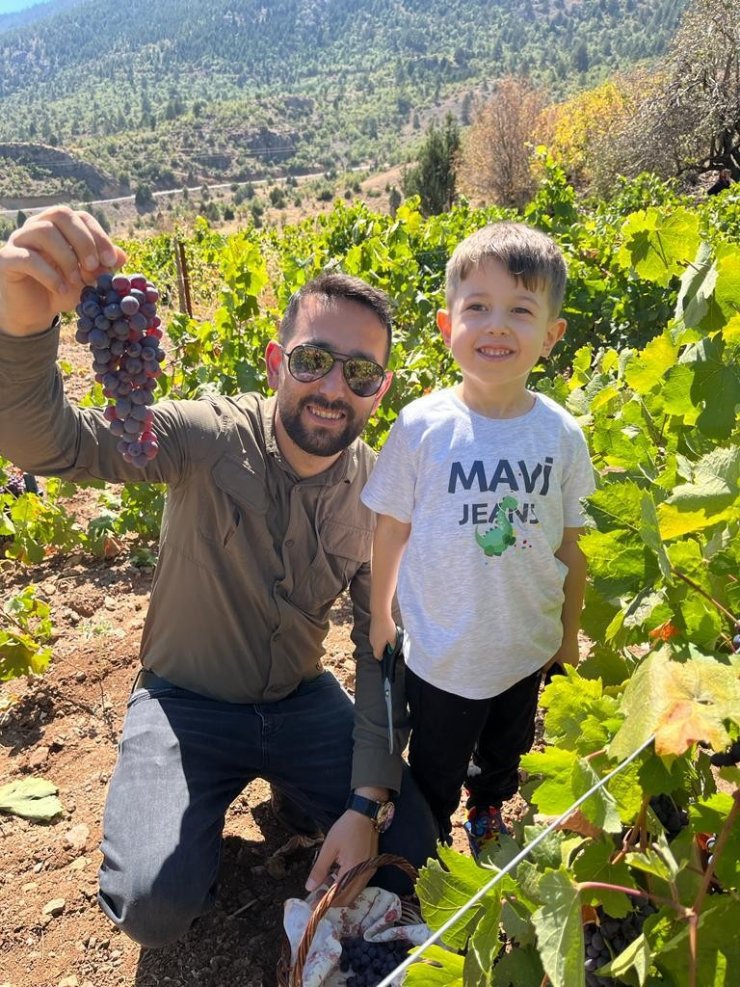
497, 330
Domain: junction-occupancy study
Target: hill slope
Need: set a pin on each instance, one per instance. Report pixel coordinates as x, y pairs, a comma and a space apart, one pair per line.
182, 88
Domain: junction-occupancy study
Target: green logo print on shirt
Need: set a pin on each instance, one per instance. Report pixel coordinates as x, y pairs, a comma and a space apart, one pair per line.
501, 535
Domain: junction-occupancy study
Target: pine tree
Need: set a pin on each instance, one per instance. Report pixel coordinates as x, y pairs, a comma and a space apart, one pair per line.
433, 177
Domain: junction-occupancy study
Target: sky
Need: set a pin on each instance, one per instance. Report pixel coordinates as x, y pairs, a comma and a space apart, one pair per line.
10, 6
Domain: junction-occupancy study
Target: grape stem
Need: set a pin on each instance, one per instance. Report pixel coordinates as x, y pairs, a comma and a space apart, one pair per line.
699, 589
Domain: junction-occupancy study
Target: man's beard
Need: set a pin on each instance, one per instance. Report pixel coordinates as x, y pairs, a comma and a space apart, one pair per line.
314, 439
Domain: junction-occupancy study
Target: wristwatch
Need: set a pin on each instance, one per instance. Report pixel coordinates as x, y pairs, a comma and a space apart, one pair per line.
379, 813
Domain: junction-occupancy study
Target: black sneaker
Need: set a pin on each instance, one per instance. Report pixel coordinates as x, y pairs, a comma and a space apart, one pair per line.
291, 816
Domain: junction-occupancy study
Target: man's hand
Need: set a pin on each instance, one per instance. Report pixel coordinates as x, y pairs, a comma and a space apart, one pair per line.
352, 839
44, 265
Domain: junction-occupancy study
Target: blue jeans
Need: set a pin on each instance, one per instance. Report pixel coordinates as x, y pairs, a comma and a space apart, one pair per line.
184, 758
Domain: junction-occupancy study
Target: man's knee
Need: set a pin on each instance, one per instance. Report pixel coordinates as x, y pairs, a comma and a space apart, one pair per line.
151, 916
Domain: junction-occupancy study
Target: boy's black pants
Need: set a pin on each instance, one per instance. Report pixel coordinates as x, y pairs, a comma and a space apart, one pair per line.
449, 732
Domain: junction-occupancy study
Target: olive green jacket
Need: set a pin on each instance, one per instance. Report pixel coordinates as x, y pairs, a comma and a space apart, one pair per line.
252, 558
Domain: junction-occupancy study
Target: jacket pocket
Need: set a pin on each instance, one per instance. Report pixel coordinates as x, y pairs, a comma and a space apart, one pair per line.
237, 488
341, 550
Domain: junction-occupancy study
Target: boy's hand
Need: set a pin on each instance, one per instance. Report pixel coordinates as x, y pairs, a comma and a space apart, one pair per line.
567, 654
44, 265
382, 633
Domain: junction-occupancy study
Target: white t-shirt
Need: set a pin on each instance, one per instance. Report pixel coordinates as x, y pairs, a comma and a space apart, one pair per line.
480, 589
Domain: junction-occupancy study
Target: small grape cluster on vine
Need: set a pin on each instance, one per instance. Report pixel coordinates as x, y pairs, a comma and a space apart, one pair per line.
117, 319
609, 936
370, 962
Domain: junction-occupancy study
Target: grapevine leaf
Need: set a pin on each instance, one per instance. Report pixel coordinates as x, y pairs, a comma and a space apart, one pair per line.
483, 946
560, 931
658, 777
647, 368
708, 816
716, 386
695, 298
636, 957
715, 482
616, 505
617, 561
731, 331
651, 534
658, 245
727, 291
661, 865
675, 523
21, 654
593, 863
676, 392
437, 967
566, 778
681, 703
575, 707
718, 946
520, 967
516, 920
444, 886
31, 798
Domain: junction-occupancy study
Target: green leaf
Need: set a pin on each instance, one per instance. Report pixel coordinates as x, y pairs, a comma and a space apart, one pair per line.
483, 946
695, 298
566, 777
716, 386
646, 369
436, 967
718, 946
650, 532
616, 505
32, 798
444, 886
520, 967
617, 561
593, 863
658, 244
715, 482
560, 930
676, 392
636, 957
576, 708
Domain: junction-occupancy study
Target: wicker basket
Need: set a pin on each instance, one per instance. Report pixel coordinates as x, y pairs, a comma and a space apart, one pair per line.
288, 976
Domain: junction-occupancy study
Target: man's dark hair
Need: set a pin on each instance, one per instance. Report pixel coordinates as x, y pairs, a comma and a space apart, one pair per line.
342, 287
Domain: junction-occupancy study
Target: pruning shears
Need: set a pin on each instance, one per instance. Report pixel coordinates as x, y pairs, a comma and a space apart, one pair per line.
388, 675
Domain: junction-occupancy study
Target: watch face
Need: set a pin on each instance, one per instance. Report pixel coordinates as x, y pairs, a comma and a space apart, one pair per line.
385, 816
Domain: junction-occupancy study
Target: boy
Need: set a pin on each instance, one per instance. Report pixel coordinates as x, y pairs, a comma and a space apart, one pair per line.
478, 493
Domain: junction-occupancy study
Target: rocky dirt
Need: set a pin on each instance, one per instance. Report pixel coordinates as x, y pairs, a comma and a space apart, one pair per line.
64, 726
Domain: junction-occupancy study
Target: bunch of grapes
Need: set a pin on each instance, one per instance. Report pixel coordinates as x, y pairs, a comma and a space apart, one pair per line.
371, 962
672, 818
117, 318
609, 936
15, 484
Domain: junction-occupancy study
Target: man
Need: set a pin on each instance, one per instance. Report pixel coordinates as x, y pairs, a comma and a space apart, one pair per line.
724, 180
262, 531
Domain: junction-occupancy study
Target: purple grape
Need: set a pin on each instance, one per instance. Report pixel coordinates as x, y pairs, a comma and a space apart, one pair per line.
117, 320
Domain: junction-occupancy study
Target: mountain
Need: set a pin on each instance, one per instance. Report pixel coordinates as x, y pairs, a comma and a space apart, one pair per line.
21, 18
191, 90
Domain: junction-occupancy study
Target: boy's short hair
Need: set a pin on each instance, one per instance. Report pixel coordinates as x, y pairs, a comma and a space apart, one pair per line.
528, 254
335, 285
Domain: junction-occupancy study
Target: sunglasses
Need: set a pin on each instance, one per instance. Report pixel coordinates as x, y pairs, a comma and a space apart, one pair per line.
307, 363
